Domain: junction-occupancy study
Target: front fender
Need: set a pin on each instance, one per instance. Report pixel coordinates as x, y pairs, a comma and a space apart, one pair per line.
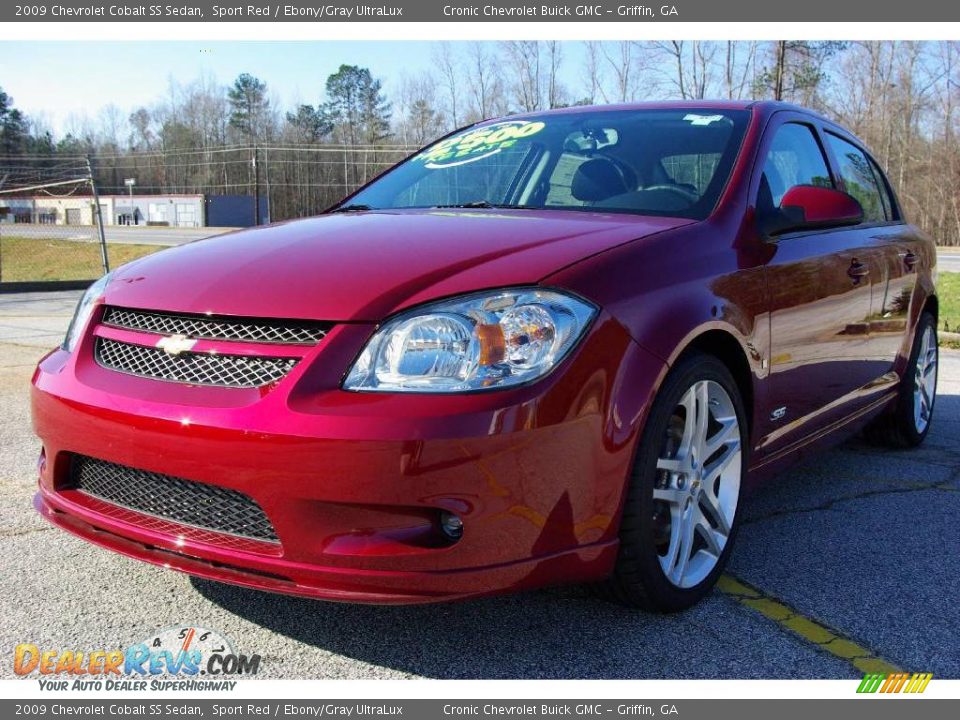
666, 299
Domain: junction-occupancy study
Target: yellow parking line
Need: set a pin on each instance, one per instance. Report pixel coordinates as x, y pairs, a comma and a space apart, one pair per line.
810, 630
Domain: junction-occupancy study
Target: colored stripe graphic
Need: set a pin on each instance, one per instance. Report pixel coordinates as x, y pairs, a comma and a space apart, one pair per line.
871, 682
894, 682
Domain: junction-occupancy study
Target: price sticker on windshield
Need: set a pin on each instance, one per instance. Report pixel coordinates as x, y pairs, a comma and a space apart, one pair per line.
478, 143
695, 119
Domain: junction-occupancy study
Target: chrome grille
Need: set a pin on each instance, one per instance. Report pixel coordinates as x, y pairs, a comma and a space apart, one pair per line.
210, 507
279, 332
235, 371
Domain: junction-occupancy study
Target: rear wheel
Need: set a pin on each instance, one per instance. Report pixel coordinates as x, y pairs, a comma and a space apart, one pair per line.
908, 423
680, 516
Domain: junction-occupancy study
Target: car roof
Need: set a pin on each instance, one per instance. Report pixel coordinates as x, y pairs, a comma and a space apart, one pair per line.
762, 108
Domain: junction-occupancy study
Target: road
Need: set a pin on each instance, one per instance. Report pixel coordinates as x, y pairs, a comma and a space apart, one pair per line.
948, 261
114, 233
852, 558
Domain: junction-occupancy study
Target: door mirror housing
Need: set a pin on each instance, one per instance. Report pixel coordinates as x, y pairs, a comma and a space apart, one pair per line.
811, 207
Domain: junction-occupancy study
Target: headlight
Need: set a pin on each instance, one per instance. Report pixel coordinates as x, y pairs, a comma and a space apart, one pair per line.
81, 315
485, 341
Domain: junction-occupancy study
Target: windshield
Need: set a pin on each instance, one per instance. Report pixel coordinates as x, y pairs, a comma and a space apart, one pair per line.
650, 162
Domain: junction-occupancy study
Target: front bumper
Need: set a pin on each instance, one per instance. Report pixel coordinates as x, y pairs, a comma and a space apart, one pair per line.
354, 483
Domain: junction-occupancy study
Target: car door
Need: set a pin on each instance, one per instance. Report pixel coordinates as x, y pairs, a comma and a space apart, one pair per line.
897, 249
819, 285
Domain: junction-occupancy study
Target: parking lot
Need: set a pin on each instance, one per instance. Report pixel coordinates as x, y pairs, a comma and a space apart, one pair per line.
847, 563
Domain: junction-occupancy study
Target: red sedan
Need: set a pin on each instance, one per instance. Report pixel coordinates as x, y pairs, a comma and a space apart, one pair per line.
558, 347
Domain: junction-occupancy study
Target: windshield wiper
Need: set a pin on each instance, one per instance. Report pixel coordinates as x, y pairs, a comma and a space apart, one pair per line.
485, 204
473, 204
356, 207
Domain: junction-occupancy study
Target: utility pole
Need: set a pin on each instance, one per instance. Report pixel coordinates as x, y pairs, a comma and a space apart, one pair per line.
130, 182
99, 211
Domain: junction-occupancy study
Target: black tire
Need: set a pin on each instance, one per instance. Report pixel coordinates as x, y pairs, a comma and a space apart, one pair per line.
638, 579
897, 428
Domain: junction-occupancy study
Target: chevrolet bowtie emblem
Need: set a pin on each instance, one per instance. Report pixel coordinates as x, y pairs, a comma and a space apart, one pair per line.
176, 344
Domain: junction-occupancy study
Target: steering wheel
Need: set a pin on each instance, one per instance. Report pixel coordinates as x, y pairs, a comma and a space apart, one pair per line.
687, 195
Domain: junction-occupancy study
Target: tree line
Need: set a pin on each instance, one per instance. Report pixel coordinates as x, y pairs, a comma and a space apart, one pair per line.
898, 96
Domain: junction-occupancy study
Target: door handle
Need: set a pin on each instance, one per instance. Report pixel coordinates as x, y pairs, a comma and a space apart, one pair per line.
858, 271
910, 260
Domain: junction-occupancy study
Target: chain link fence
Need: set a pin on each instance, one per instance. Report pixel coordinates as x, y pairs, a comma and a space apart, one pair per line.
50, 222
297, 180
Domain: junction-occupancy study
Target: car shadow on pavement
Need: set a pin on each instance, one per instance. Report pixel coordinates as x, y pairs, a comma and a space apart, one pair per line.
551, 633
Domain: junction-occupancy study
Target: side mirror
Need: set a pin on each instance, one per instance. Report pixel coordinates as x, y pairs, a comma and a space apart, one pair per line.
810, 207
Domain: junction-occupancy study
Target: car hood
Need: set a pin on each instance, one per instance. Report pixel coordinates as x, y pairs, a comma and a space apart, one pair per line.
364, 266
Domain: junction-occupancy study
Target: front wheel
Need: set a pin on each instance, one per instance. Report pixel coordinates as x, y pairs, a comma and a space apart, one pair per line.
680, 515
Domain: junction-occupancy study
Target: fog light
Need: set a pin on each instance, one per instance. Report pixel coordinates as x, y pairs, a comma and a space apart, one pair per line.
451, 525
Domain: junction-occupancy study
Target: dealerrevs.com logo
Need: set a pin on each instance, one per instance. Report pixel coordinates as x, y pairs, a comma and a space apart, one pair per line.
175, 658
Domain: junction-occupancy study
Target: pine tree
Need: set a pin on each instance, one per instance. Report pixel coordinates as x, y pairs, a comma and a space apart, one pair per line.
356, 108
249, 106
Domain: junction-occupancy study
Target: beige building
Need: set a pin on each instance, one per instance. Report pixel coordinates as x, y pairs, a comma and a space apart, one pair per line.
51, 210
69, 210
161, 210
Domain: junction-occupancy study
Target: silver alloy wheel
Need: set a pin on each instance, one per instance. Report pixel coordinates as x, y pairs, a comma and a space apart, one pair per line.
925, 379
698, 483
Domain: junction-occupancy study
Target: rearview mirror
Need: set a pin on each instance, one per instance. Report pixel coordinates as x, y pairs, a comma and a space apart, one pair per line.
811, 207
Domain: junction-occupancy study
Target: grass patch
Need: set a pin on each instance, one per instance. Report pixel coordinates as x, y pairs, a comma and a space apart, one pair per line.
24, 259
948, 293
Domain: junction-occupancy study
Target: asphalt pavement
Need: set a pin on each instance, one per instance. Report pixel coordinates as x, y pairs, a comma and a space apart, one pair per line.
142, 235
948, 261
853, 555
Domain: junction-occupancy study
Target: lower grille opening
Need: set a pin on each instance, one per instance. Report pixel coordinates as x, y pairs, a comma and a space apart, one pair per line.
200, 505
221, 566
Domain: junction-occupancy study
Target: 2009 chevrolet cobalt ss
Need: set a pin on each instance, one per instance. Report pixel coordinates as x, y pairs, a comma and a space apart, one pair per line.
558, 347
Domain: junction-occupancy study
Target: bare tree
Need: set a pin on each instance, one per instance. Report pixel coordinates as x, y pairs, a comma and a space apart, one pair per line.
556, 93
622, 58
112, 127
671, 57
448, 70
702, 67
739, 59
593, 75
484, 80
524, 56
419, 120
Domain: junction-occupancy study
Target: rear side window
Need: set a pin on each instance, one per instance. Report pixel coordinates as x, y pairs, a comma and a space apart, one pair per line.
859, 179
795, 158
886, 195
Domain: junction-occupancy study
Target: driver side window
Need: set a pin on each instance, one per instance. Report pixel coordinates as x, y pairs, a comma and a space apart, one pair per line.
795, 158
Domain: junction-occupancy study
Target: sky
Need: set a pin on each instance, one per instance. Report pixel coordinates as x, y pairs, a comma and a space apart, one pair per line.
56, 80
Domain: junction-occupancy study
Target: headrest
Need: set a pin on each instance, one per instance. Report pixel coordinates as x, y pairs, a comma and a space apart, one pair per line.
598, 179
